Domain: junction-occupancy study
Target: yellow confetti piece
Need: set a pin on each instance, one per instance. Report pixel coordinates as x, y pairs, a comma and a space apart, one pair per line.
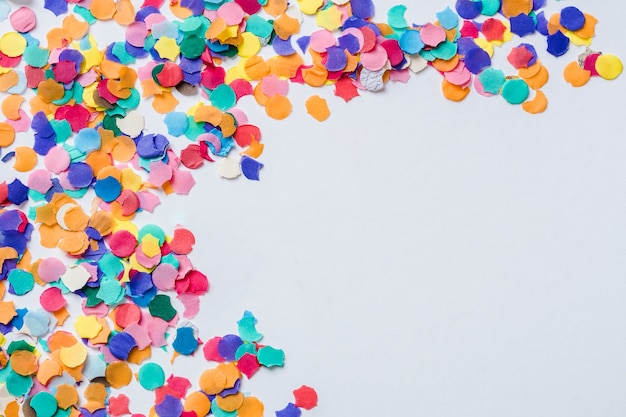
485, 45
150, 246
310, 6
250, 45
609, 66
87, 327
329, 18
73, 356
12, 44
167, 48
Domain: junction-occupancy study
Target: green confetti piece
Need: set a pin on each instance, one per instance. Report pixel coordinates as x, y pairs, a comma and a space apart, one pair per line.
194, 25
76, 155
492, 80
395, 17
22, 282
63, 413
245, 348
18, 385
131, 102
36, 197
110, 265
194, 129
111, 291
154, 230
151, 376
515, 91
92, 296
67, 96
170, 259
85, 14
44, 404
446, 50
428, 55
161, 307
259, 26
119, 50
20, 345
192, 47
62, 128
490, 7
35, 56
223, 97
246, 328
269, 356
76, 194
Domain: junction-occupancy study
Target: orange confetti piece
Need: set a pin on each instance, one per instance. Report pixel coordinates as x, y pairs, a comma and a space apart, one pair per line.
96, 392
231, 402
7, 134
74, 28
8, 80
317, 107
228, 125
285, 26
315, 76
446, 66
124, 12
49, 90
286, 66
179, 11
530, 71
256, 68
575, 75
278, 107
209, 114
25, 159
61, 315
537, 105
48, 369
212, 381
102, 9
511, 8
197, 402
251, 407
554, 24
254, 150
24, 362
538, 80
137, 356
66, 396
454, 92
12, 409
11, 106
164, 103
589, 29
57, 38
275, 7
118, 374
7, 311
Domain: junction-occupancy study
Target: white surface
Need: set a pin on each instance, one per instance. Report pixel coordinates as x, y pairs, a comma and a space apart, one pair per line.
418, 257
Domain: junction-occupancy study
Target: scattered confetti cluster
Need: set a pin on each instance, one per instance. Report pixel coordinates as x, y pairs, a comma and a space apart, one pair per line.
75, 135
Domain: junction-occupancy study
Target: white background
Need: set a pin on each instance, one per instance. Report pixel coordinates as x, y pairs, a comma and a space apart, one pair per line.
418, 257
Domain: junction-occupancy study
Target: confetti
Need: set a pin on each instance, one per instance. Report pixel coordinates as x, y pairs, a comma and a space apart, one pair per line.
91, 164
